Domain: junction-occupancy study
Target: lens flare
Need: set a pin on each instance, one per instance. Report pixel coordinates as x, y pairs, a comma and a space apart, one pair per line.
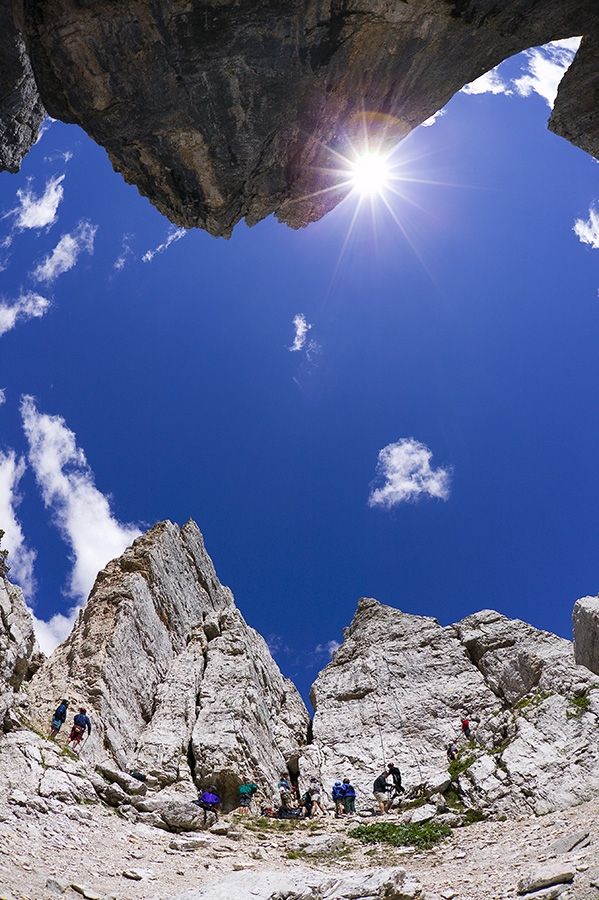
370, 174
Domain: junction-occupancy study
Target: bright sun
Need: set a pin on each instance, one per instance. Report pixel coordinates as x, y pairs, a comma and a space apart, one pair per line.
370, 174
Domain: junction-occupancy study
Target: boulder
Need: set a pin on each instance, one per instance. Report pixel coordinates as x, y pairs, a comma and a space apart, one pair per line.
545, 876
585, 619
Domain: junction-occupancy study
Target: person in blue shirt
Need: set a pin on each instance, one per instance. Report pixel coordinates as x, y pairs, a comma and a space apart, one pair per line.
337, 796
59, 718
349, 797
81, 724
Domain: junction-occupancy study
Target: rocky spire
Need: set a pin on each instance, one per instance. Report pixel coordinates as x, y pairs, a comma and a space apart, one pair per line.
20, 655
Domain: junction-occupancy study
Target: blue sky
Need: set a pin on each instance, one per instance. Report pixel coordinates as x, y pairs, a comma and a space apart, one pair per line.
431, 440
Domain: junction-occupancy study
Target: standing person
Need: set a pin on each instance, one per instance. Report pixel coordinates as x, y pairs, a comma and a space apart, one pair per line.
337, 795
349, 797
209, 801
396, 776
81, 722
59, 718
315, 792
285, 793
466, 728
307, 805
246, 791
380, 789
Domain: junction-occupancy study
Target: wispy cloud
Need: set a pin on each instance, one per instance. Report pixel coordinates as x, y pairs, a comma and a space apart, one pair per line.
588, 231
175, 235
80, 511
432, 119
546, 66
406, 473
301, 330
2, 396
327, 649
36, 211
66, 253
126, 252
27, 306
20, 558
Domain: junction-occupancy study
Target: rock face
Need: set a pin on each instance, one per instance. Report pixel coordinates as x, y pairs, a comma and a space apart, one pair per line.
231, 109
398, 686
20, 655
175, 683
585, 620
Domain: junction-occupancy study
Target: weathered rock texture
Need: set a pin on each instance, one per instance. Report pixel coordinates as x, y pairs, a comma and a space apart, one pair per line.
585, 620
231, 109
20, 655
399, 684
175, 682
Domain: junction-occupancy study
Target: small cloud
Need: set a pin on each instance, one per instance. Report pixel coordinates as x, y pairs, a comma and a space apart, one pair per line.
405, 469
546, 66
432, 119
52, 633
44, 127
38, 212
64, 156
20, 558
126, 252
175, 235
27, 306
327, 649
301, 329
588, 232
2, 396
80, 511
489, 83
65, 254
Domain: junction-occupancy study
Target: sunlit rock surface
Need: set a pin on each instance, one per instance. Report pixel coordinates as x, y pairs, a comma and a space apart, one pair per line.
20, 655
175, 683
397, 688
223, 110
585, 619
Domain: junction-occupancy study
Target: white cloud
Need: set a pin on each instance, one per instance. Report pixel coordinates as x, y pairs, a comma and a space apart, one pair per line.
588, 232
405, 469
301, 330
489, 83
81, 512
38, 212
126, 252
546, 66
328, 648
27, 306
2, 396
53, 632
175, 235
65, 254
432, 119
20, 558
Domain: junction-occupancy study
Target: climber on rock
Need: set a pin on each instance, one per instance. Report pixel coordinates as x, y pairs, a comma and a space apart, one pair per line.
59, 718
246, 791
381, 790
466, 728
452, 751
81, 723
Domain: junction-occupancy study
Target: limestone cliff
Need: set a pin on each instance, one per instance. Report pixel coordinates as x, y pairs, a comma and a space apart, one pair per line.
230, 108
398, 686
20, 655
175, 682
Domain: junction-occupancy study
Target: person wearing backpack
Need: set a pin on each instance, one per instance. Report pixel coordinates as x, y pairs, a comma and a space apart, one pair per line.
315, 792
81, 722
59, 718
337, 796
209, 801
349, 797
246, 791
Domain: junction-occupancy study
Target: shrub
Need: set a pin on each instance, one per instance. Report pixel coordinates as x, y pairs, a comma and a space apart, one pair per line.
422, 835
460, 765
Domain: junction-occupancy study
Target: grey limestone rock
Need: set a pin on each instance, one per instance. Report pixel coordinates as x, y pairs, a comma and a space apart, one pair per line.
219, 111
544, 877
399, 684
20, 655
176, 684
585, 619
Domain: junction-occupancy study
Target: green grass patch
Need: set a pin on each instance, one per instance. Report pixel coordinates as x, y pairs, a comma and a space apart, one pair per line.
422, 835
460, 765
473, 815
534, 699
578, 706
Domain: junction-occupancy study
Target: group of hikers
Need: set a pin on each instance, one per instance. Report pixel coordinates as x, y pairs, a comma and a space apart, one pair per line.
81, 724
296, 804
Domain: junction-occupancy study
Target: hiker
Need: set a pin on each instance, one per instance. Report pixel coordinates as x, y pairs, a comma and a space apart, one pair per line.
59, 718
209, 802
81, 722
381, 790
452, 752
307, 805
349, 797
466, 728
396, 775
315, 791
337, 797
246, 791
285, 793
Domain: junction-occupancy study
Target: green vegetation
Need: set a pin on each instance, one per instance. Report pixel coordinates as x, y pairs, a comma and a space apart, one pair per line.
423, 835
474, 815
578, 706
460, 765
534, 699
